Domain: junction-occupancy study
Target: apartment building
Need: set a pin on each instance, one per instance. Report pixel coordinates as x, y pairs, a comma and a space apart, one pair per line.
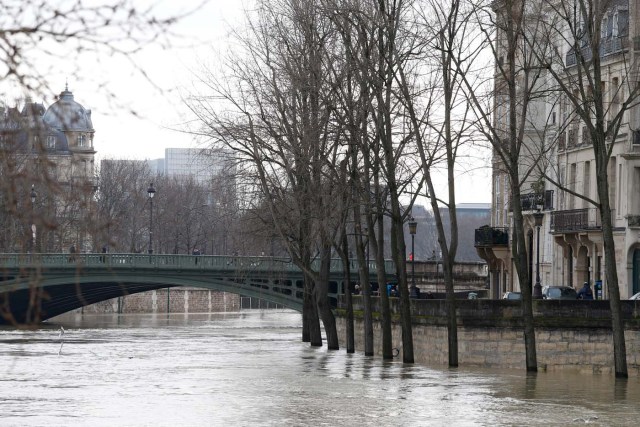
48, 175
558, 195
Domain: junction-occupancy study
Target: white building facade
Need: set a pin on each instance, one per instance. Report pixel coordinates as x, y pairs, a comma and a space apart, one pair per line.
571, 245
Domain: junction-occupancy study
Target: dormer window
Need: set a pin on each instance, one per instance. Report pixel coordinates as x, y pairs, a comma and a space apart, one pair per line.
81, 140
51, 141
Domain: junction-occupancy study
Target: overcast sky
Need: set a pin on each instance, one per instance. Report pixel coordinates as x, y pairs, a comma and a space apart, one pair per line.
158, 101
120, 134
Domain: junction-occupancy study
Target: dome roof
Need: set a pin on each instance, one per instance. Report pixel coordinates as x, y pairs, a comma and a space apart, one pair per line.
67, 115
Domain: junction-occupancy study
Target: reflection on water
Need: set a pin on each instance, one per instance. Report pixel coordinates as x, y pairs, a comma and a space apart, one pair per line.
250, 368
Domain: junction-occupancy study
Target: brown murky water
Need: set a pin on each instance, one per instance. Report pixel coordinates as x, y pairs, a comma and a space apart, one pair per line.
250, 368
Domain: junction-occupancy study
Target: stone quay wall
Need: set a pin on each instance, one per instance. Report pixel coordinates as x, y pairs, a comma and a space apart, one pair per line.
180, 300
570, 335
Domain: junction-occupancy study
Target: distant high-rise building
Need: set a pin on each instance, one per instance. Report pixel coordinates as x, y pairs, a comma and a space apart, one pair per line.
201, 164
156, 166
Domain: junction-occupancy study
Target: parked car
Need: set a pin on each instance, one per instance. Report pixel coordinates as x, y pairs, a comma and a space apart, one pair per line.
559, 292
635, 296
512, 295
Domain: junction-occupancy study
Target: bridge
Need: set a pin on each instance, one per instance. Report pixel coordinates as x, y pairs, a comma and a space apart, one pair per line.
36, 287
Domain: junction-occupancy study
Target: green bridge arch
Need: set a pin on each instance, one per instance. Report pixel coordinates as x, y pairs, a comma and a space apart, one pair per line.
40, 286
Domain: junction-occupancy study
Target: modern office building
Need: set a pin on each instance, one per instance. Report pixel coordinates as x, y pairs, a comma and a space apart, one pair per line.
203, 165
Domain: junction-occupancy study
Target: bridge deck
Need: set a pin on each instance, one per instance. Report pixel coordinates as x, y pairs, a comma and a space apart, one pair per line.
62, 282
163, 261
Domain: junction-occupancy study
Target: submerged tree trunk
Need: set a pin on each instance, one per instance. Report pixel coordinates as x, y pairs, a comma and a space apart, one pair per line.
519, 253
611, 271
387, 32
348, 296
385, 312
363, 272
322, 298
310, 321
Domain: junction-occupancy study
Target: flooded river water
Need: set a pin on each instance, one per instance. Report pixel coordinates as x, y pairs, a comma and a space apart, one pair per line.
250, 369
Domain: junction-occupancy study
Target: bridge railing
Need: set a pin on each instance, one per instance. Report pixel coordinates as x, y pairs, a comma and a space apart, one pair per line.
168, 261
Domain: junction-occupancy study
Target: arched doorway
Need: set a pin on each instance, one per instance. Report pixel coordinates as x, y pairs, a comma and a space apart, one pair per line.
636, 271
582, 265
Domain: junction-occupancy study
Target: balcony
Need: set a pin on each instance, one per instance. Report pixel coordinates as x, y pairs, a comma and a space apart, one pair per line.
575, 220
487, 236
608, 46
532, 201
633, 220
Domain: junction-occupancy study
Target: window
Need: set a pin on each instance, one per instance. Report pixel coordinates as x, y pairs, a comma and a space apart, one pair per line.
497, 200
561, 178
51, 141
81, 140
572, 184
618, 198
505, 200
612, 180
615, 97
623, 23
585, 136
586, 190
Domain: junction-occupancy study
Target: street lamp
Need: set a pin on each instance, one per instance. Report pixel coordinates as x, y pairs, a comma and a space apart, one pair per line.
33, 196
537, 288
413, 225
151, 192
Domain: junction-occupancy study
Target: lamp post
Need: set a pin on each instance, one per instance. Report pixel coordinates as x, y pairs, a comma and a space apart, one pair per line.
537, 288
151, 192
413, 225
33, 196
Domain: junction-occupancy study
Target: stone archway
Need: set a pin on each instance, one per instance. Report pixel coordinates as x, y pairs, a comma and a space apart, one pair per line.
633, 268
582, 265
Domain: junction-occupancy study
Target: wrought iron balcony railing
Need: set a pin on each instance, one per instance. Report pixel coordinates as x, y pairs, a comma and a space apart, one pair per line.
608, 47
576, 220
487, 236
534, 201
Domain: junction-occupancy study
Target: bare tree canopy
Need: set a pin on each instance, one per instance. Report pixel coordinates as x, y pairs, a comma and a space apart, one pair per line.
36, 37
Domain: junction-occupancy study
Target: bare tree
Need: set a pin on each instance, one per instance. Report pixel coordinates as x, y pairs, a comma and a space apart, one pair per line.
41, 32
448, 53
35, 36
277, 119
352, 70
597, 86
389, 150
503, 117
